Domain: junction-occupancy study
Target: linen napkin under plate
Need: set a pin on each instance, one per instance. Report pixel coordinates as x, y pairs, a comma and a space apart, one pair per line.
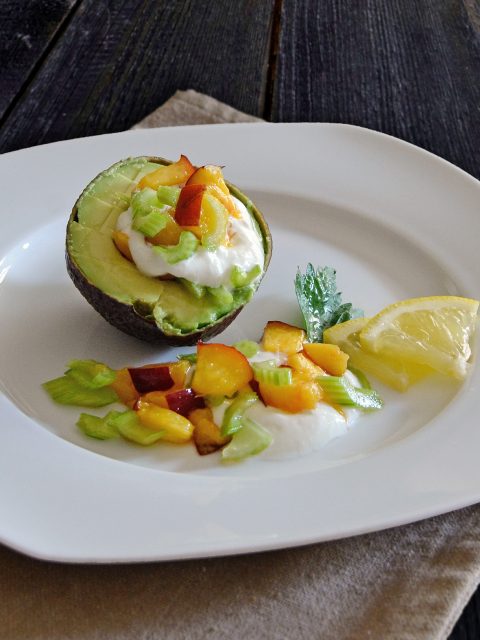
407, 583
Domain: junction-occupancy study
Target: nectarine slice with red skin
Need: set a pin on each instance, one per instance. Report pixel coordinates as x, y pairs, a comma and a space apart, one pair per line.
206, 434
280, 337
177, 429
189, 205
168, 175
210, 174
221, 370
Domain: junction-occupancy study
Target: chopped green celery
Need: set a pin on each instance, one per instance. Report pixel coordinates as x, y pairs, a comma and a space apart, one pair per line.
213, 400
233, 416
91, 374
222, 295
241, 278
130, 427
243, 295
247, 347
143, 202
66, 390
168, 195
250, 440
362, 378
100, 428
340, 391
151, 223
186, 247
271, 374
191, 357
197, 290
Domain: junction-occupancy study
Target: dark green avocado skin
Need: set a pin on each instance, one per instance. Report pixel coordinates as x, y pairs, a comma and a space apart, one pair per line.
128, 320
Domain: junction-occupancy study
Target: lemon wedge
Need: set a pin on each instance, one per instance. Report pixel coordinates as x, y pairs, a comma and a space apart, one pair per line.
391, 371
433, 331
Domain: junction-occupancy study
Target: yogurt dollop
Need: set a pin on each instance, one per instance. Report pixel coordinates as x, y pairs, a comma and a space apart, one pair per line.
207, 268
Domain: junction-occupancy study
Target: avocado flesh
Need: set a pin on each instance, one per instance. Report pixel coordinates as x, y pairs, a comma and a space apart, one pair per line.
146, 307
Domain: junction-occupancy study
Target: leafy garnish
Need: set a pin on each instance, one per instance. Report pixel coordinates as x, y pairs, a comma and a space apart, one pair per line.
320, 302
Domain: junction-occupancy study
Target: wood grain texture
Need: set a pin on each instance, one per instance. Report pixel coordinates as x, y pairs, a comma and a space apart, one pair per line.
26, 31
120, 59
410, 69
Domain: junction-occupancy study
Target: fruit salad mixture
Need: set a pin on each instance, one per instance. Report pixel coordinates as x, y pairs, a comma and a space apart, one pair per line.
232, 398
207, 396
183, 221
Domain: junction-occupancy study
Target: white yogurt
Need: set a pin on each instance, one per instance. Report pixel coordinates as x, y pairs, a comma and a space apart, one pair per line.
208, 268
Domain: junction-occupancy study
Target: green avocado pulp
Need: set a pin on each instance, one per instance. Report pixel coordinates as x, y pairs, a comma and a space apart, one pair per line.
169, 303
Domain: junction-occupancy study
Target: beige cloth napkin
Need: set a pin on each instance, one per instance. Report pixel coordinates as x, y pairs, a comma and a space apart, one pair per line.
408, 583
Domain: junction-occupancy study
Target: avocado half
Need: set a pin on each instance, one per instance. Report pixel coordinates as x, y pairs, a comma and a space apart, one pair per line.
148, 308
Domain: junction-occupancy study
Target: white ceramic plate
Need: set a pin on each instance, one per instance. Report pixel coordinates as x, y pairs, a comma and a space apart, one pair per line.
395, 221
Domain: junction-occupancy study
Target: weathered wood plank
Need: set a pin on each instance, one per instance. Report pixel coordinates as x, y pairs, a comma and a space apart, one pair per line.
410, 69
120, 59
26, 30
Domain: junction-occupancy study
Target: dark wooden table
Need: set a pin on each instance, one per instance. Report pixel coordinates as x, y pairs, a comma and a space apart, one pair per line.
410, 68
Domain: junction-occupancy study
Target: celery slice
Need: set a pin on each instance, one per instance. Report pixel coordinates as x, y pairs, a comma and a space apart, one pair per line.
191, 357
66, 390
96, 427
142, 202
362, 378
151, 223
340, 391
250, 440
240, 278
186, 247
168, 195
130, 427
247, 347
233, 417
267, 372
90, 373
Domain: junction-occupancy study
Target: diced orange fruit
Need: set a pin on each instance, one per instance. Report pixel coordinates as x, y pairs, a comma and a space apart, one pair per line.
153, 397
213, 222
179, 371
225, 199
220, 370
206, 433
124, 388
121, 242
301, 395
169, 235
176, 428
300, 363
168, 175
282, 337
210, 175
328, 356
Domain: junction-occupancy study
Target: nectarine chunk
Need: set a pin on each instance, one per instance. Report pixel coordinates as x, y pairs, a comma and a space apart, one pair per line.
220, 370
177, 429
209, 174
303, 365
206, 434
169, 235
121, 242
124, 388
282, 337
328, 356
168, 175
301, 395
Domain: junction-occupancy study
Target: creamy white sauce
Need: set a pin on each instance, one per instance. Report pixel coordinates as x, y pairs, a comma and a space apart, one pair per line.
296, 434
208, 268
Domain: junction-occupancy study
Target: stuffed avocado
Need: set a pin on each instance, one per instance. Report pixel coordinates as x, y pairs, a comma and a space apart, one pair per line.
164, 251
